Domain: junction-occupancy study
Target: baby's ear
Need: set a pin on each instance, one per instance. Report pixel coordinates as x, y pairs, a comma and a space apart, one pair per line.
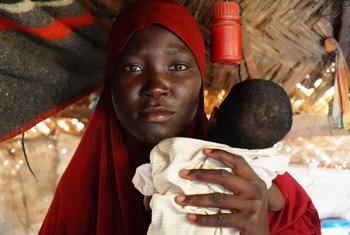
212, 120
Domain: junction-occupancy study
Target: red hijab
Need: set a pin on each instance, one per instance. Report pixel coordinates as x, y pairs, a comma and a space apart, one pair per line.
95, 194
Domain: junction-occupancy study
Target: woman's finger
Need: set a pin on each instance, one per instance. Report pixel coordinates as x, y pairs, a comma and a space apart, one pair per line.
222, 177
218, 220
242, 221
217, 200
237, 163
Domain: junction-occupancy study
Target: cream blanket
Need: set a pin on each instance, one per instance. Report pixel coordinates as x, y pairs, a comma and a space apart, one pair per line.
160, 178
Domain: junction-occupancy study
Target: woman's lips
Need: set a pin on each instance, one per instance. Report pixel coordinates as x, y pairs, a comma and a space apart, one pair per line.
156, 114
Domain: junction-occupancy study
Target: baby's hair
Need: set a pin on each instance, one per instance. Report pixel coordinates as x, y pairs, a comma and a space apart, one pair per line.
255, 114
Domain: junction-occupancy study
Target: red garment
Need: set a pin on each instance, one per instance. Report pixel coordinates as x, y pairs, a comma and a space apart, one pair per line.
298, 215
95, 194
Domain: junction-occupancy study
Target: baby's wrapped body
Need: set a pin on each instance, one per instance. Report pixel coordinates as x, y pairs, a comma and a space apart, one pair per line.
160, 179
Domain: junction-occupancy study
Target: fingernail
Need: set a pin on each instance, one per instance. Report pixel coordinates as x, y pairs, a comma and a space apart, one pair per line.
206, 150
191, 217
184, 172
180, 198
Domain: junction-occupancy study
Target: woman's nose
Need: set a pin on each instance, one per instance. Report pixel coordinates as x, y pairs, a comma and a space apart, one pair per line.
156, 85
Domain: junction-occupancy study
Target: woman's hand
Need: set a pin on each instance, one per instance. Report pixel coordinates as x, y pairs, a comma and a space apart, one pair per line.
249, 204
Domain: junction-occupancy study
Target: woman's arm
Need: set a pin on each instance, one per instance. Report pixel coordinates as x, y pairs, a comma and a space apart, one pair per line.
275, 198
298, 214
249, 204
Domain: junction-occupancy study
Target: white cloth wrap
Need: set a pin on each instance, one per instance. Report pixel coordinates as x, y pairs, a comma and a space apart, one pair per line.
160, 178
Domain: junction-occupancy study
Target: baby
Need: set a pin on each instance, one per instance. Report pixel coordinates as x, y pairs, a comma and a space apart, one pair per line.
254, 116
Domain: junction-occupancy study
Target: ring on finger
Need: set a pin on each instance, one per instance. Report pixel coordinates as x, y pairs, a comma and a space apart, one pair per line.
220, 219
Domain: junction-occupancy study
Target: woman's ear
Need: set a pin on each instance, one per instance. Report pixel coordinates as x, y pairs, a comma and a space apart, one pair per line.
212, 121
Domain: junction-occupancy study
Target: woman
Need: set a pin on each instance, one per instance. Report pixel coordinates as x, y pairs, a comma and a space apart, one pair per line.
154, 91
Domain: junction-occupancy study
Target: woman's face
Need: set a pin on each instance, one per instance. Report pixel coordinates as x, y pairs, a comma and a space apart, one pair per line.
156, 85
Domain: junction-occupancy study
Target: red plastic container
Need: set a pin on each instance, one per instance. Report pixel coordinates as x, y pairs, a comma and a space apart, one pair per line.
226, 34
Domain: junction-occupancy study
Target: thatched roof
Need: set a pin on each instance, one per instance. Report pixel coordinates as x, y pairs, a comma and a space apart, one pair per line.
283, 41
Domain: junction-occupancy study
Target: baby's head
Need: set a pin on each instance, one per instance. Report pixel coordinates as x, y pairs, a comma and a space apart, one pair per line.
255, 114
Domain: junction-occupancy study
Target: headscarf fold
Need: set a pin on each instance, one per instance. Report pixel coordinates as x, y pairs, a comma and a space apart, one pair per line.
95, 194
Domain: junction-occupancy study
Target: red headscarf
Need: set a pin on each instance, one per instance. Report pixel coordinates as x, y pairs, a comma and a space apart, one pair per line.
95, 194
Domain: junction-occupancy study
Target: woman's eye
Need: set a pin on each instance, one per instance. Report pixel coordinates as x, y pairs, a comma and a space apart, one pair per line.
132, 68
178, 67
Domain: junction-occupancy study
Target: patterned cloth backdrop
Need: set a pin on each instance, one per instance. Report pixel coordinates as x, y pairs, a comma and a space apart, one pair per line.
52, 52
